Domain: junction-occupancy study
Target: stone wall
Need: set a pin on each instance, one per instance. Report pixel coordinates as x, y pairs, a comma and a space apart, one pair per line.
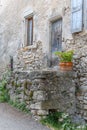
44, 91
80, 68
30, 58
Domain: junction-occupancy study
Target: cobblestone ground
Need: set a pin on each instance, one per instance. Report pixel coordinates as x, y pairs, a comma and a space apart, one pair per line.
12, 119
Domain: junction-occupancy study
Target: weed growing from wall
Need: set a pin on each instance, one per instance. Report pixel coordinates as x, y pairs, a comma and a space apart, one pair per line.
4, 96
20, 106
61, 121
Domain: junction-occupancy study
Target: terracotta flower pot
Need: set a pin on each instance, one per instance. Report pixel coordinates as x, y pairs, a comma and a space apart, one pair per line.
69, 64
66, 66
62, 64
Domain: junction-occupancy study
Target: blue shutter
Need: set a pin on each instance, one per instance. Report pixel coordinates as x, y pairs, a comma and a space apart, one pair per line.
85, 14
76, 15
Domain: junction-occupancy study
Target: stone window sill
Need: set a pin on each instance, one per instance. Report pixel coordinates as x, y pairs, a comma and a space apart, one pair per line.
26, 48
82, 33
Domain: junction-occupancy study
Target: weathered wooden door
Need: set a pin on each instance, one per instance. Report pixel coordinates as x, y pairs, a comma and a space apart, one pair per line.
56, 40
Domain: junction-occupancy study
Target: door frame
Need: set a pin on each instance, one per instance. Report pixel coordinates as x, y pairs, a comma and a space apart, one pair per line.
51, 21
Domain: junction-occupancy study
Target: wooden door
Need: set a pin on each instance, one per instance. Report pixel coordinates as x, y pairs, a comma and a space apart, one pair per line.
56, 40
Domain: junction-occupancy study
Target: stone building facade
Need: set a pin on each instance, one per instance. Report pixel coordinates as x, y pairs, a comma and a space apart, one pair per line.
44, 17
13, 40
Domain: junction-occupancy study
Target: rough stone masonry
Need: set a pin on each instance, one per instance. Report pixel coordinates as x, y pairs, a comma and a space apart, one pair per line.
28, 58
44, 91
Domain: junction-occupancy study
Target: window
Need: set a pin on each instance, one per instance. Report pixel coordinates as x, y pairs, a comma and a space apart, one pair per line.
79, 15
29, 31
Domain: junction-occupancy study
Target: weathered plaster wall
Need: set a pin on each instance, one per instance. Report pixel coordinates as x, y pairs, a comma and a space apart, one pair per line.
11, 29
12, 24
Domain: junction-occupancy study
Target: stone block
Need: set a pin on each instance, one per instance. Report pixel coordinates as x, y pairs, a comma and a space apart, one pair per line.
83, 88
85, 97
39, 95
42, 112
50, 104
85, 101
36, 106
80, 98
34, 112
85, 107
21, 96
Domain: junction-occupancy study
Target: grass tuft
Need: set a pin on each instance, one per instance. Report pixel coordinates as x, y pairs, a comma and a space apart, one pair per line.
61, 121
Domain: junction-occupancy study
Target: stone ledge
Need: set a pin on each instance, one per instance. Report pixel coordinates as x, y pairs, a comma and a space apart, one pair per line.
44, 90
26, 48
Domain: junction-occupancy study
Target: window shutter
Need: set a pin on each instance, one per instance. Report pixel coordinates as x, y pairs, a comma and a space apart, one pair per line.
85, 14
76, 15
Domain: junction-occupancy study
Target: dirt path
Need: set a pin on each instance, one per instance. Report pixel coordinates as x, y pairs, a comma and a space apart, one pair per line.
12, 119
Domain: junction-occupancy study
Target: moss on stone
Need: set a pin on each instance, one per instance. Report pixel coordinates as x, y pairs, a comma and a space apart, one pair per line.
15, 84
31, 94
25, 84
18, 92
12, 82
19, 85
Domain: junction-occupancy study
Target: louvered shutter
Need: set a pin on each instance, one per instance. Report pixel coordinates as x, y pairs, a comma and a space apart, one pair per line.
85, 14
76, 8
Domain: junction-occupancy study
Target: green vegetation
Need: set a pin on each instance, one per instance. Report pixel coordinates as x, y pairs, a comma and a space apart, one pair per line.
61, 121
65, 56
20, 106
31, 94
4, 96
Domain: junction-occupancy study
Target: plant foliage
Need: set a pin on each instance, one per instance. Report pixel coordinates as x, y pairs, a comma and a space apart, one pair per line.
65, 56
20, 106
61, 121
4, 96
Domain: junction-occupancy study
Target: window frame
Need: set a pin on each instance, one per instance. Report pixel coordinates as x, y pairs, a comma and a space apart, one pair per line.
26, 30
84, 13
52, 19
28, 39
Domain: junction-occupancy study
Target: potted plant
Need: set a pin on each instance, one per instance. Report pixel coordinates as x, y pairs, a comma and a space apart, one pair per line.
65, 59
